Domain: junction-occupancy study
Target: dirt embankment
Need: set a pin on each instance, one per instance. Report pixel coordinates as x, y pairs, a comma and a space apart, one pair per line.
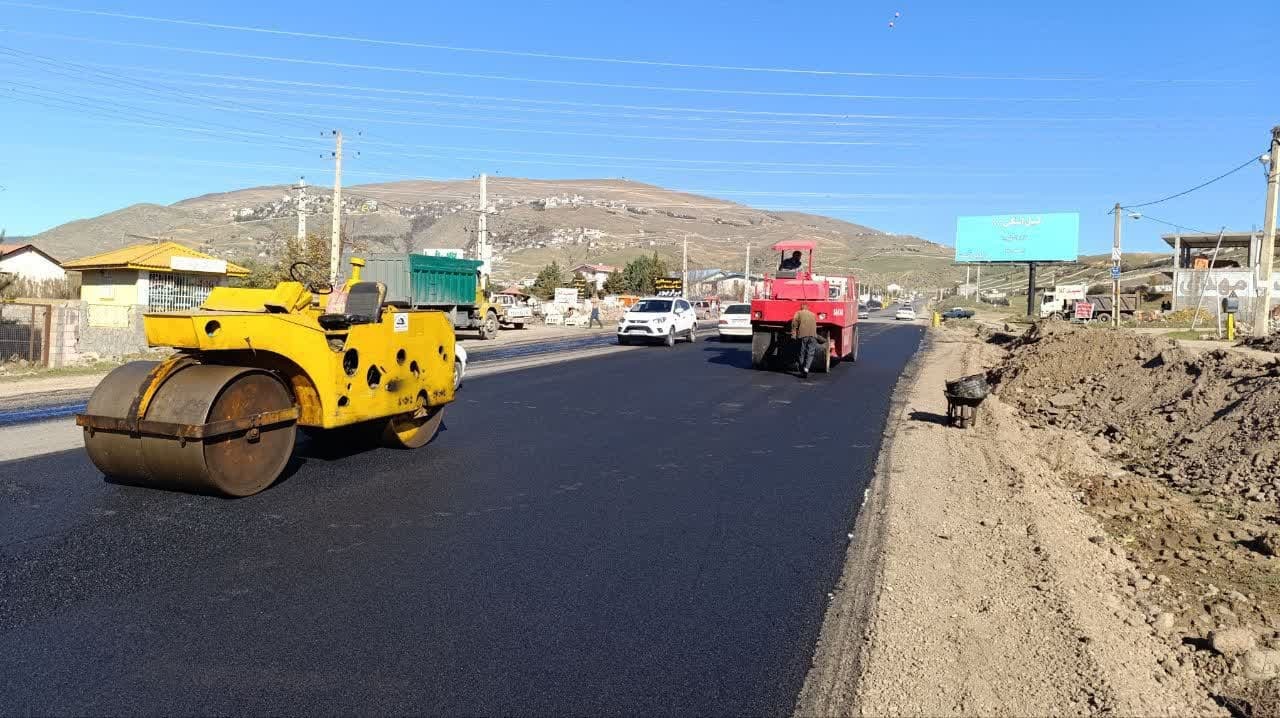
993, 593
1195, 445
1207, 424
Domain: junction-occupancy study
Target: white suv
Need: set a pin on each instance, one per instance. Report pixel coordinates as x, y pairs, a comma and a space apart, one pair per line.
661, 319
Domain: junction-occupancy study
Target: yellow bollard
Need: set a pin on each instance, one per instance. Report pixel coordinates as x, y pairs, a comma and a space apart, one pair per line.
1231, 327
937, 319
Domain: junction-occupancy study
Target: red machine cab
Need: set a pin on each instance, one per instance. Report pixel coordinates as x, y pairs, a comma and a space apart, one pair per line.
834, 300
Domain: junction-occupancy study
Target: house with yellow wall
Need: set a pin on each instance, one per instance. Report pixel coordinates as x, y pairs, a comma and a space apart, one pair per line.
154, 277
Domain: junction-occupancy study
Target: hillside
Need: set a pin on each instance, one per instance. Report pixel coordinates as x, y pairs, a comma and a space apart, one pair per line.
532, 223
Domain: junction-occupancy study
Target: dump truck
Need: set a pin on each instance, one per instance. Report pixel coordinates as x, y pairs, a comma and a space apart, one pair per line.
252, 366
784, 292
512, 312
1062, 300
1104, 306
445, 284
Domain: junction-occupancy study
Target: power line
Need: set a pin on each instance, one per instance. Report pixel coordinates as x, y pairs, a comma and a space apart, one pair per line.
374, 112
861, 129
1202, 185
1174, 224
572, 103
545, 55
540, 80
77, 71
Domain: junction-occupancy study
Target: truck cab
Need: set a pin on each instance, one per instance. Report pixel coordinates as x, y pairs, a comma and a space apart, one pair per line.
1060, 300
512, 311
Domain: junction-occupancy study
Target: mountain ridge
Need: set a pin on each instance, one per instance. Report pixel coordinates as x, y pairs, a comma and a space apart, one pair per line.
531, 223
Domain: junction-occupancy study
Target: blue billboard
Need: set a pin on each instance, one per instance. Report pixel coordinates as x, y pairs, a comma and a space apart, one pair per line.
1018, 238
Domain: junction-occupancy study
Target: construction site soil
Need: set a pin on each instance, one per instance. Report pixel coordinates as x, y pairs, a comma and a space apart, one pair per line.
1193, 442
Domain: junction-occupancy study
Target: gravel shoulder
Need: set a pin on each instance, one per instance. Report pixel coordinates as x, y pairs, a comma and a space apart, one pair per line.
992, 591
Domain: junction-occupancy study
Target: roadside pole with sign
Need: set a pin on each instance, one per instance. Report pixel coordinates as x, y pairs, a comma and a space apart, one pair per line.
668, 286
1115, 270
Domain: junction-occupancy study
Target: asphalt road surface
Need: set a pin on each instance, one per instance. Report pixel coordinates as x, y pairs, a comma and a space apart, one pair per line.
649, 532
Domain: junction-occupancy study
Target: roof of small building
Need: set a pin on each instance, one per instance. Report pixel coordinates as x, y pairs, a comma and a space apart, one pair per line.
156, 257
790, 244
1209, 240
595, 268
7, 249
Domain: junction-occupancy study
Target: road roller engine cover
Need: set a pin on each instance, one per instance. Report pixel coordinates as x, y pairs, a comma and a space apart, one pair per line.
251, 366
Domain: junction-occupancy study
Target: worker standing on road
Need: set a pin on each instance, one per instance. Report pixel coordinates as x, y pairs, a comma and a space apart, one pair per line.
804, 327
595, 316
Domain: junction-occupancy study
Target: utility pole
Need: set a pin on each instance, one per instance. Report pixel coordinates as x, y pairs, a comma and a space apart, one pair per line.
977, 294
483, 252
1115, 268
302, 211
966, 278
1263, 325
746, 277
335, 241
684, 271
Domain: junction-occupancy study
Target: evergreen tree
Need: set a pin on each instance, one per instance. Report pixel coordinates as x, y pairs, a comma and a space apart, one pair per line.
551, 277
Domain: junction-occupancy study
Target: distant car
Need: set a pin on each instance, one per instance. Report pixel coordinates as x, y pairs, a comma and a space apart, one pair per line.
957, 313
661, 319
735, 321
704, 309
906, 314
863, 312
459, 365
873, 305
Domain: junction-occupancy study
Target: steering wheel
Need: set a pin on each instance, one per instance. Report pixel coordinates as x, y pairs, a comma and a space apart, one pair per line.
306, 278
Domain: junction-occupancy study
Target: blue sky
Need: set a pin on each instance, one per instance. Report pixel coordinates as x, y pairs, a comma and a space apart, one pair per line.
961, 108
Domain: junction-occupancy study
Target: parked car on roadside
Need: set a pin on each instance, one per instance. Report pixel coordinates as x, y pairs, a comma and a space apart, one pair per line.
906, 314
459, 365
735, 321
658, 319
957, 313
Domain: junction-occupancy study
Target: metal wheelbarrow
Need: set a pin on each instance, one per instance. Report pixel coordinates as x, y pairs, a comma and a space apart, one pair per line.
964, 395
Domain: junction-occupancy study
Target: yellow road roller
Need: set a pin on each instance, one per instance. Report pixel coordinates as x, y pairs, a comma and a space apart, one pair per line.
251, 366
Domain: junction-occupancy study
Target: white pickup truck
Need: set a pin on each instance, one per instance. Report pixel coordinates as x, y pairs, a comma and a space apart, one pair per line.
512, 313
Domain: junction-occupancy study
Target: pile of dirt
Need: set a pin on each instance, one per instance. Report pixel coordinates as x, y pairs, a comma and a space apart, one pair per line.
1208, 425
1194, 506
1268, 343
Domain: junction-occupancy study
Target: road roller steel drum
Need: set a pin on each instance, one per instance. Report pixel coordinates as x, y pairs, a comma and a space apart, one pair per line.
250, 367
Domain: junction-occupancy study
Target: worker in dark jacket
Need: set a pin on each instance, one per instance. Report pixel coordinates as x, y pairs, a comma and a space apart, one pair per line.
792, 263
804, 327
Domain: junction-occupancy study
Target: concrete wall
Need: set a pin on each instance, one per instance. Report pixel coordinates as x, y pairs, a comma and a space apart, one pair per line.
64, 335
120, 338
113, 287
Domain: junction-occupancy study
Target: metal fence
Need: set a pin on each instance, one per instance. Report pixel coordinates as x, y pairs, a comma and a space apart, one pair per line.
171, 291
24, 333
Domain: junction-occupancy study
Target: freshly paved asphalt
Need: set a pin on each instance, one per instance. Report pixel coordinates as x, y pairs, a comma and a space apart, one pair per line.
651, 532
27, 408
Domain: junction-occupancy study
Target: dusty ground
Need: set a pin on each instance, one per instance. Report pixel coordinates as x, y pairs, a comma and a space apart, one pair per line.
995, 593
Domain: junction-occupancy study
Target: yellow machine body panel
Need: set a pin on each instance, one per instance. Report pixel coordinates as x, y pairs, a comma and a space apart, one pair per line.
401, 363
221, 414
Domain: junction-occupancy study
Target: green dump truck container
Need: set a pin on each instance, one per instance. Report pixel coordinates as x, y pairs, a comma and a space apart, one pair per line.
444, 283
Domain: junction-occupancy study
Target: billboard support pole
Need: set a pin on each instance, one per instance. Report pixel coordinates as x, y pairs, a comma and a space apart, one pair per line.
1031, 290
1115, 265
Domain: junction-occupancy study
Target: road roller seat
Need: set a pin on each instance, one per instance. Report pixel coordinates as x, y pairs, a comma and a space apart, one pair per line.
364, 306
